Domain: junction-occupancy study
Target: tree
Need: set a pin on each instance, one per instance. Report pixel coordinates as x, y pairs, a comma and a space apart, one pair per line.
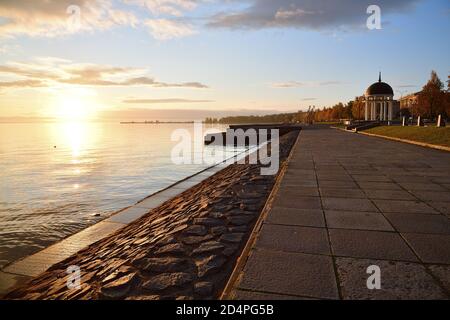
358, 111
432, 98
349, 110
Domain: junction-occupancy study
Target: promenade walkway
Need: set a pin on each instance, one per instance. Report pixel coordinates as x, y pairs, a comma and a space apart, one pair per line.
347, 202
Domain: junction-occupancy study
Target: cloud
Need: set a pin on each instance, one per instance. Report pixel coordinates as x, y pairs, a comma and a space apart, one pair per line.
165, 29
308, 99
161, 101
28, 71
169, 7
54, 71
298, 84
197, 85
53, 18
50, 18
168, 19
22, 84
317, 14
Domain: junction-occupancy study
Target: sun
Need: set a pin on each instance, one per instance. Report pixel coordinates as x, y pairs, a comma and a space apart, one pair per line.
74, 108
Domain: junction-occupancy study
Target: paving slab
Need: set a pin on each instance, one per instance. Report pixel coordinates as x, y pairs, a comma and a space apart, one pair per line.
301, 165
352, 170
299, 183
334, 177
420, 223
398, 280
299, 191
348, 204
370, 185
357, 220
400, 206
441, 196
293, 239
338, 184
342, 193
300, 174
370, 178
417, 186
328, 167
443, 207
389, 194
290, 201
262, 296
440, 178
288, 273
294, 170
409, 178
296, 217
442, 273
431, 248
370, 244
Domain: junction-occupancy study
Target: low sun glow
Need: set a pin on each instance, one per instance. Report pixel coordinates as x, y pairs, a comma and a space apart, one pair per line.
74, 107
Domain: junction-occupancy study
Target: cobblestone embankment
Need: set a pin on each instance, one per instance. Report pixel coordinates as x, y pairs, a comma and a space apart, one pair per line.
184, 249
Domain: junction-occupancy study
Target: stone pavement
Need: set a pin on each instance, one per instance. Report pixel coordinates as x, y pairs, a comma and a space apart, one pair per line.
347, 202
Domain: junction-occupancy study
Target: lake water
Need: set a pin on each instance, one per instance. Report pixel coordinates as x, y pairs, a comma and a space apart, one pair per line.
58, 178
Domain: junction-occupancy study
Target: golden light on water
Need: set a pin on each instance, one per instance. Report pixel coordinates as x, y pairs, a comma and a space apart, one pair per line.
75, 137
77, 140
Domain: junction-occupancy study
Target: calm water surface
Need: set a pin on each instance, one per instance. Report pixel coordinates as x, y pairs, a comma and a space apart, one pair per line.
58, 178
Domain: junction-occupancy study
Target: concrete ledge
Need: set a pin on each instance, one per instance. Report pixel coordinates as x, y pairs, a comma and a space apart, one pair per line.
37, 263
417, 143
342, 129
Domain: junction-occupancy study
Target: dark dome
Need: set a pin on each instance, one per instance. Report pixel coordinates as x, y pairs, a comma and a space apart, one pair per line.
380, 88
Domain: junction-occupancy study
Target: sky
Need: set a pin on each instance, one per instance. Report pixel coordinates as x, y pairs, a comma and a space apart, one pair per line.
188, 59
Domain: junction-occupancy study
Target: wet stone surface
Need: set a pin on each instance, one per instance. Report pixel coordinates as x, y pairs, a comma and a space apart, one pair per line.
184, 249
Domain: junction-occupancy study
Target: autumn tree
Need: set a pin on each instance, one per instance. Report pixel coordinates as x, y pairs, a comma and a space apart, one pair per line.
349, 109
358, 111
432, 98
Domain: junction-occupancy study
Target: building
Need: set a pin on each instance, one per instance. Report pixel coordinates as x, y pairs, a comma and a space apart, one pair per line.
409, 101
379, 102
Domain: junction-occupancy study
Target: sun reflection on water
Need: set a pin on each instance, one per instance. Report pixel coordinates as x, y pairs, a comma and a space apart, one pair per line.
75, 135
74, 142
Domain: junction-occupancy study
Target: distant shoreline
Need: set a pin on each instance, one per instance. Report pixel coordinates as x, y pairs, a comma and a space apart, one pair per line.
156, 122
